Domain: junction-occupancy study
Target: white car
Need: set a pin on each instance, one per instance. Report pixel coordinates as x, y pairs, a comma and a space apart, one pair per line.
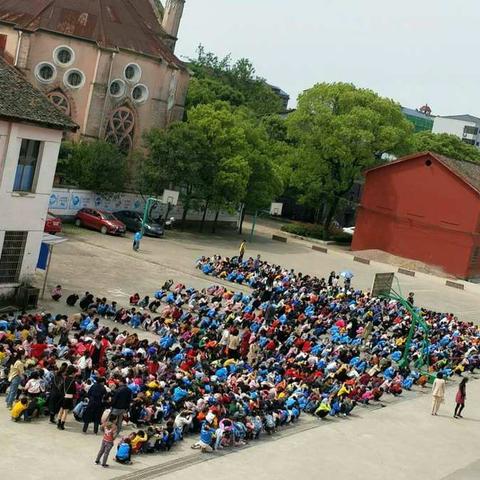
349, 230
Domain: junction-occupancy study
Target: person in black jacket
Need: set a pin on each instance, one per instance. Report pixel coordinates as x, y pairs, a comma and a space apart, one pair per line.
121, 400
69, 391
86, 301
94, 410
72, 299
55, 396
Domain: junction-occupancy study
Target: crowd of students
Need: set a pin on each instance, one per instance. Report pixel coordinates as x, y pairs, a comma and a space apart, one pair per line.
226, 365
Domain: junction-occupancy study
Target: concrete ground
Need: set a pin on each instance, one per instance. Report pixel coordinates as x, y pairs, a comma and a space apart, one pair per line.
396, 442
108, 266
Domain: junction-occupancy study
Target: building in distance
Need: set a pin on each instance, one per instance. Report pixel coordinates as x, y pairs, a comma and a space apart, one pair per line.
109, 65
466, 127
411, 208
31, 130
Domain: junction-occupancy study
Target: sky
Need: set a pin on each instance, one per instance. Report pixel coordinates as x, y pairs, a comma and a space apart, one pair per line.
414, 51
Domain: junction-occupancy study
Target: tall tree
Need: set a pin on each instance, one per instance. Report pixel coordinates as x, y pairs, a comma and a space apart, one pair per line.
234, 82
177, 156
226, 175
445, 144
341, 130
98, 166
236, 133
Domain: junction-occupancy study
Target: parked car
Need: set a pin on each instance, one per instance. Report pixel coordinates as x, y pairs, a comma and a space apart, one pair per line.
53, 224
99, 220
133, 222
349, 230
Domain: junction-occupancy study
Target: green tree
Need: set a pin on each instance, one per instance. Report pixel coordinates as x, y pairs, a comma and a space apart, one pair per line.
98, 166
234, 82
224, 177
341, 130
229, 185
445, 144
237, 134
176, 159
220, 157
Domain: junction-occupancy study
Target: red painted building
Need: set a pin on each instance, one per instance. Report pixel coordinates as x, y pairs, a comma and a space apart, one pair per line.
424, 207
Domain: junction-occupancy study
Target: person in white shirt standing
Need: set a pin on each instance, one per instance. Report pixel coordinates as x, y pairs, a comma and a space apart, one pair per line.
438, 393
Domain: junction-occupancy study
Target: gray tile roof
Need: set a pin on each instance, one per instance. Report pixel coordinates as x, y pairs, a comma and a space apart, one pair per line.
20, 101
467, 171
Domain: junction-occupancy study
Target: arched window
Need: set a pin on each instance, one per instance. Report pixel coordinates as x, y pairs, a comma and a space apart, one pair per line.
59, 99
120, 128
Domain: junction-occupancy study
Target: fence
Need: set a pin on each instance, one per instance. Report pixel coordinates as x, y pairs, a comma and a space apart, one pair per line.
65, 202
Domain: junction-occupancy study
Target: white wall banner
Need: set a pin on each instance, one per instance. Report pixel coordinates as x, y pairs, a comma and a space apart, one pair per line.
65, 202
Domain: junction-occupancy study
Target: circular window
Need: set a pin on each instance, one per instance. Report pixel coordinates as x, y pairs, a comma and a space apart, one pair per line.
132, 72
45, 72
117, 88
63, 56
140, 93
74, 78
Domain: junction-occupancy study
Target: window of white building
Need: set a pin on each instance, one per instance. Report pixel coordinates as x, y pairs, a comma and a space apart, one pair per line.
28, 163
11, 258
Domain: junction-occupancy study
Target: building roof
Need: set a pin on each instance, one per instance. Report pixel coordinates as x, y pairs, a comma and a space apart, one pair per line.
417, 113
468, 171
466, 117
124, 24
20, 101
279, 91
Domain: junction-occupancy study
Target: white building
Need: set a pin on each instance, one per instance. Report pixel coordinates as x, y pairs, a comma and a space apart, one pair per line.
466, 127
31, 129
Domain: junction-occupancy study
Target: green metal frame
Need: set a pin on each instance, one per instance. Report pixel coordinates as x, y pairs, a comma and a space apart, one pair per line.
417, 322
150, 201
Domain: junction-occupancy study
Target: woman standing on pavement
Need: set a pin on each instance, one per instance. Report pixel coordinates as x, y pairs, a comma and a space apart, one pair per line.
55, 398
438, 393
15, 377
69, 391
460, 398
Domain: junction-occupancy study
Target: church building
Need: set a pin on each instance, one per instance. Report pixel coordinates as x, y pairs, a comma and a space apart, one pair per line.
108, 64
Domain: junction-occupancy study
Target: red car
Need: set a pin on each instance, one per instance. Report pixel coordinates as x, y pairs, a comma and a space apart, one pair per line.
53, 224
99, 220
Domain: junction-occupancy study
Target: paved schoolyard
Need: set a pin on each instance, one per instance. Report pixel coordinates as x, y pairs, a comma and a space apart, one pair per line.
398, 442
108, 266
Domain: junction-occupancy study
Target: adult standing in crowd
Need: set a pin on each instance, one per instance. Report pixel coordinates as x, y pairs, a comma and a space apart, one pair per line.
438, 393
15, 376
121, 400
68, 393
56, 391
460, 398
93, 411
241, 250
